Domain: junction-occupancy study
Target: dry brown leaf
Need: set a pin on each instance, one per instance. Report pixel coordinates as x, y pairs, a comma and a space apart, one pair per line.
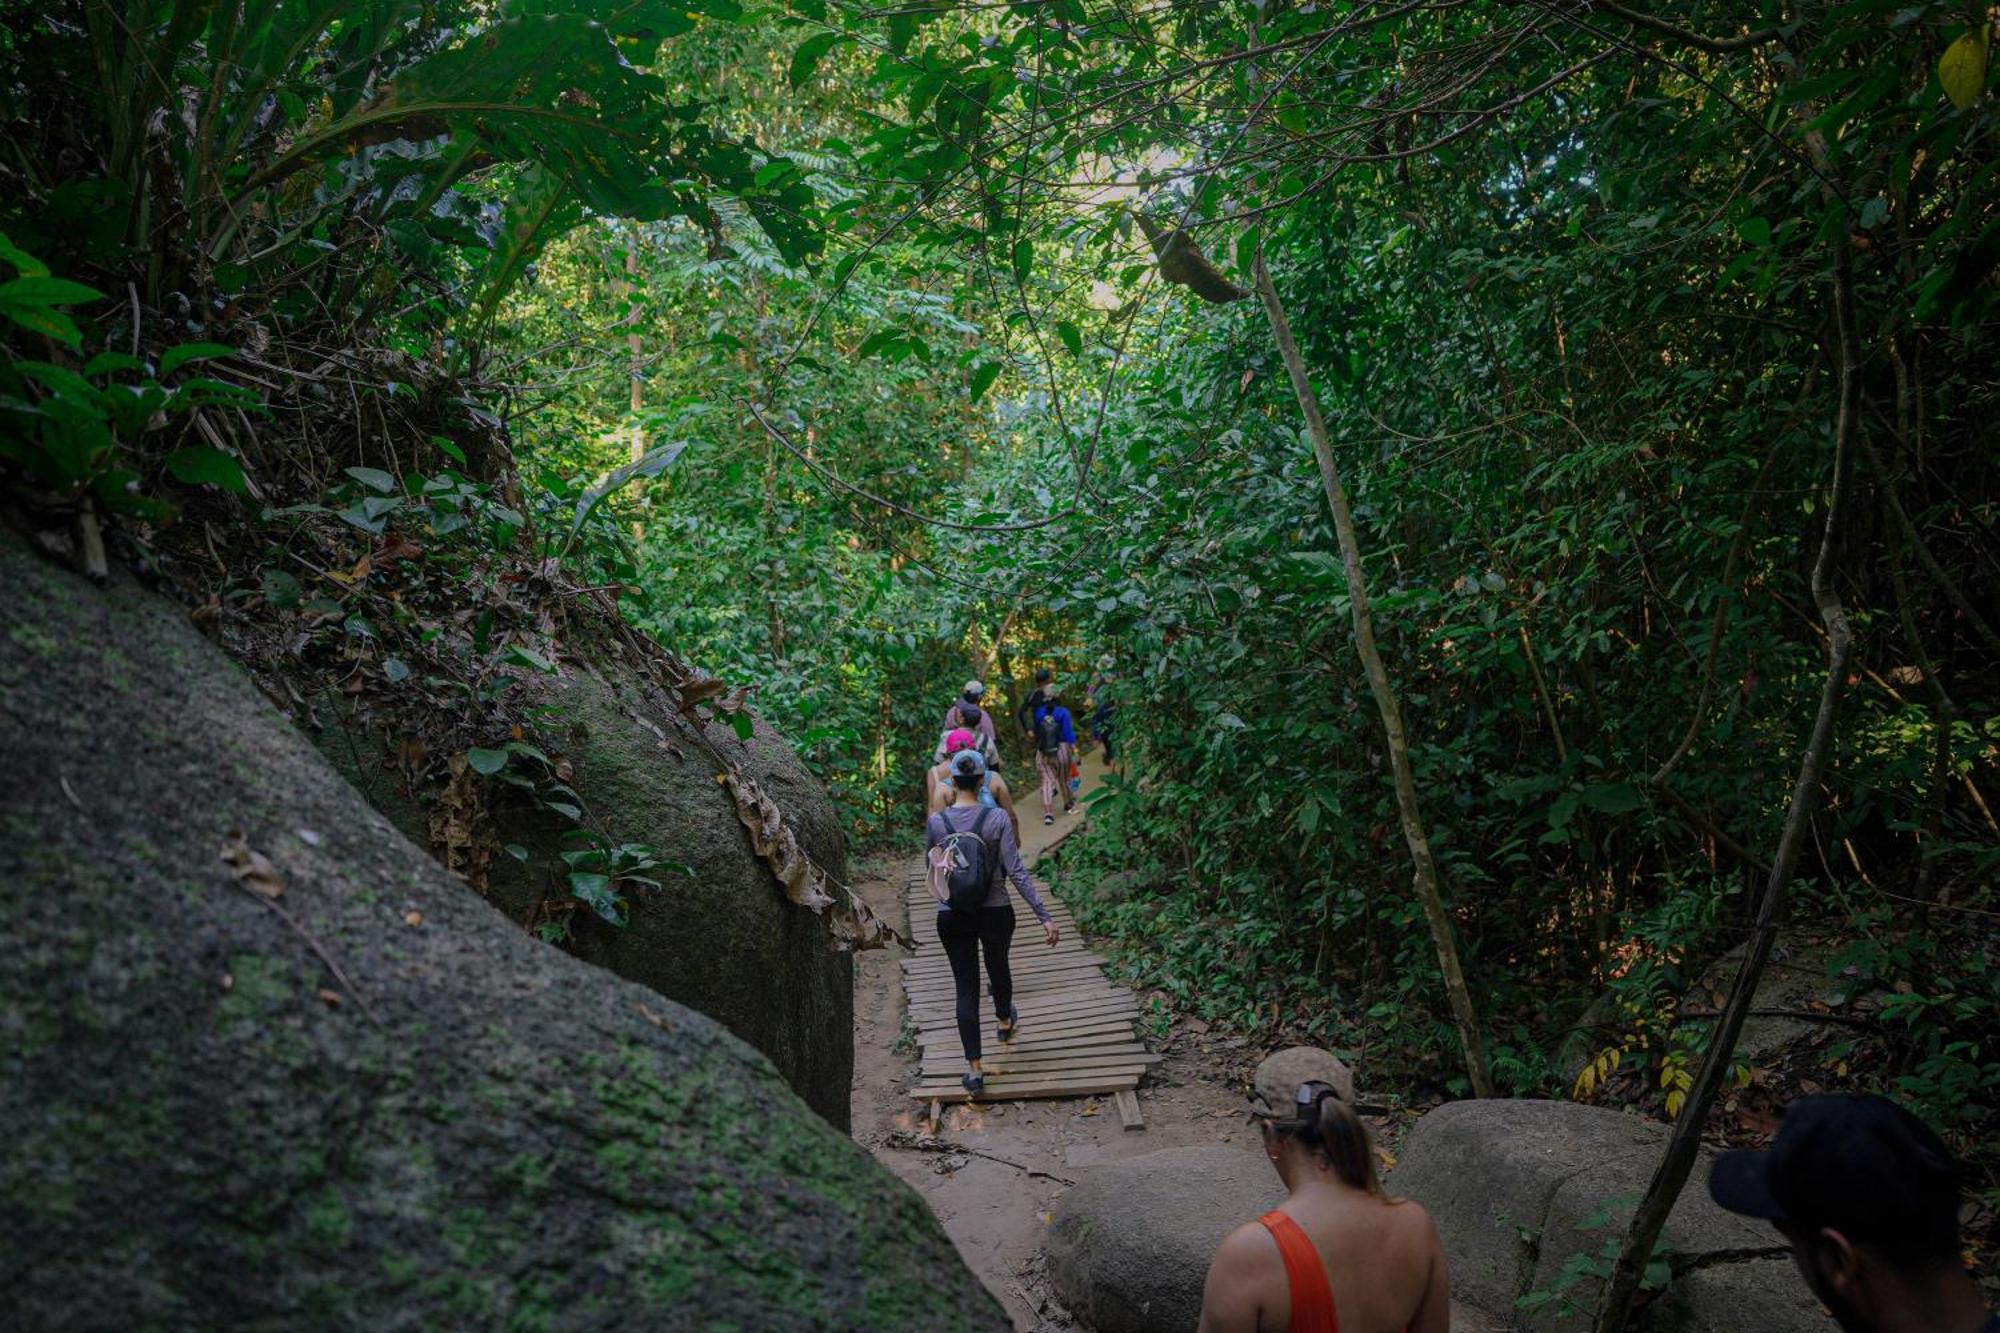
413, 918
329, 997
253, 870
849, 920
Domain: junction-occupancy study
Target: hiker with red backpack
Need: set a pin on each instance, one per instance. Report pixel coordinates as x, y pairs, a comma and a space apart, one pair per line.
970, 846
1055, 752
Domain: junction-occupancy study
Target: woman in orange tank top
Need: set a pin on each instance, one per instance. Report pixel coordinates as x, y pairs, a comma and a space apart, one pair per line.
1339, 1255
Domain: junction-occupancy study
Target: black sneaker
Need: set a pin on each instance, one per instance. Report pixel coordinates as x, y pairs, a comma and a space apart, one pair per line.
1011, 1024
1048, 819
974, 1083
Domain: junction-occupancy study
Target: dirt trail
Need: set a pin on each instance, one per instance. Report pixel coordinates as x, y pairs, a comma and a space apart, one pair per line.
995, 1211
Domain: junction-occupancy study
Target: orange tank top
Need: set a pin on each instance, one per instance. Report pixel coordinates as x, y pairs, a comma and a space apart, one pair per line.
1312, 1294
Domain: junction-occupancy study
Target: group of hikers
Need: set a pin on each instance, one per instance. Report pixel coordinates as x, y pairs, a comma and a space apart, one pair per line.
973, 832
1865, 1195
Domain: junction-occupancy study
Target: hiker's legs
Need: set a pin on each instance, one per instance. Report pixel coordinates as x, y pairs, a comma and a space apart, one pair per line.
961, 946
996, 935
1046, 767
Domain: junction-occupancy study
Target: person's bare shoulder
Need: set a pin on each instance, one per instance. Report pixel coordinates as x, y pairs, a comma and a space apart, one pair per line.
1248, 1250
1245, 1268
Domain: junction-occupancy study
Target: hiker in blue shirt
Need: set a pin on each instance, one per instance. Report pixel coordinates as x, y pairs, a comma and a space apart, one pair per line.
1055, 751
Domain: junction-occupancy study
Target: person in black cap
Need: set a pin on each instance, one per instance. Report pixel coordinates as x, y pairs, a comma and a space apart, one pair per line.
1868, 1197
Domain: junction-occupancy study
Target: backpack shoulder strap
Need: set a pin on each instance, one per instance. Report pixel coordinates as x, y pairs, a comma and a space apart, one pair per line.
986, 830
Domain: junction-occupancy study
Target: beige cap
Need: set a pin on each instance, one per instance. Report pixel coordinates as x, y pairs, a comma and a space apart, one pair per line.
1275, 1087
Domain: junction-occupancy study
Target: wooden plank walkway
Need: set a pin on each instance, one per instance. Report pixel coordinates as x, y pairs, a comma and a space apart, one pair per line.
1076, 1035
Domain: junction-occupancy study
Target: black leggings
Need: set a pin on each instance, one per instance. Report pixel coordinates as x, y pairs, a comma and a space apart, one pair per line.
963, 935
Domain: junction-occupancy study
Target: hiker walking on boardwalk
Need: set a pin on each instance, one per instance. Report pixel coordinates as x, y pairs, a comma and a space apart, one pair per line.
993, 792
972, 856
968, 711
1025, 714
1338, 1253
970, 717
1055, 751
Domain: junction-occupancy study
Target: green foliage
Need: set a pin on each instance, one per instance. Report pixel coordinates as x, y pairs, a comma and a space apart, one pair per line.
73, 429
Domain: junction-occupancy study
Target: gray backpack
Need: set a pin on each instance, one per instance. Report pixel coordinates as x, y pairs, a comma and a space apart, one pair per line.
972, 859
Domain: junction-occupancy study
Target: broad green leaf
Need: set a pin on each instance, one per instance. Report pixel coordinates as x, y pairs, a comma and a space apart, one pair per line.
105, 363
24, 263
595, 892
1962, 68
1024, 259
1071, 337
47, 291
808, 55
202, 464
983, 376
281, 589
49, 323
651, 464
520, 656
175, 357
374, 478
485, 762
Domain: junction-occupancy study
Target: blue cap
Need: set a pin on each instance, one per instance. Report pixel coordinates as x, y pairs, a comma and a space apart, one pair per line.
968, 764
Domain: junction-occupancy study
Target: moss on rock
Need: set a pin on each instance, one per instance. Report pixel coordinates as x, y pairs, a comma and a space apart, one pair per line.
214, 1128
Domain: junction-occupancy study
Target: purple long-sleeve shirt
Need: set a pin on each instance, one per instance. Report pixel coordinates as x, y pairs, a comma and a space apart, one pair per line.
960, 819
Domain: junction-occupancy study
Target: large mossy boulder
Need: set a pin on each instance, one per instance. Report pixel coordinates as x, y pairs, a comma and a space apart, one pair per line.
725, 940
369, 1102
1527, 1194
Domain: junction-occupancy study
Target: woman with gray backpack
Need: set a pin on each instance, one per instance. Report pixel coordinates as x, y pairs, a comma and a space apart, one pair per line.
970, 846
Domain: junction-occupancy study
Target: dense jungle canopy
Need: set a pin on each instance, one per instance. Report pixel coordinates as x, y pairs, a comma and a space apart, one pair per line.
855, 350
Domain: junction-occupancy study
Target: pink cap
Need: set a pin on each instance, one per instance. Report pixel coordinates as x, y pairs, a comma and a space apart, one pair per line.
958, 738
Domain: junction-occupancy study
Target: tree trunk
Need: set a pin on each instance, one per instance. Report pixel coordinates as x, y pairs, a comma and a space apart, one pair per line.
1424, 874
1614, 1311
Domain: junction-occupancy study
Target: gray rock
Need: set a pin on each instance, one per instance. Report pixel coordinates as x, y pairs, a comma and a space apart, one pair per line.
1525, 1194
725, 941
383, 1106
1129, 1247
1794, 979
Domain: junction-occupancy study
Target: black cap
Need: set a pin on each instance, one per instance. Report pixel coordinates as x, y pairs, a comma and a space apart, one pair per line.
1861, 1165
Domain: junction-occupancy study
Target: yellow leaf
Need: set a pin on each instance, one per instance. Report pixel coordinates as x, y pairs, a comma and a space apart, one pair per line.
1962, 68
1675, 1100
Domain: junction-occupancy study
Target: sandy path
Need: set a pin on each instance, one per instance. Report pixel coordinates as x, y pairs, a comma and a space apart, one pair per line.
995, 1213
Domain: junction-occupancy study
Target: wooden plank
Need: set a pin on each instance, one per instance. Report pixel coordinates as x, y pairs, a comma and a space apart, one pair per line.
951, 1067
948, 1048
943, 1035
1091, 1058
1025, 969
1023, 960
1038, 1002
1027, 960
1077, 1007
1109, 1006
1004, 1090
1030, 986
1000, 1088
1128, 1110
